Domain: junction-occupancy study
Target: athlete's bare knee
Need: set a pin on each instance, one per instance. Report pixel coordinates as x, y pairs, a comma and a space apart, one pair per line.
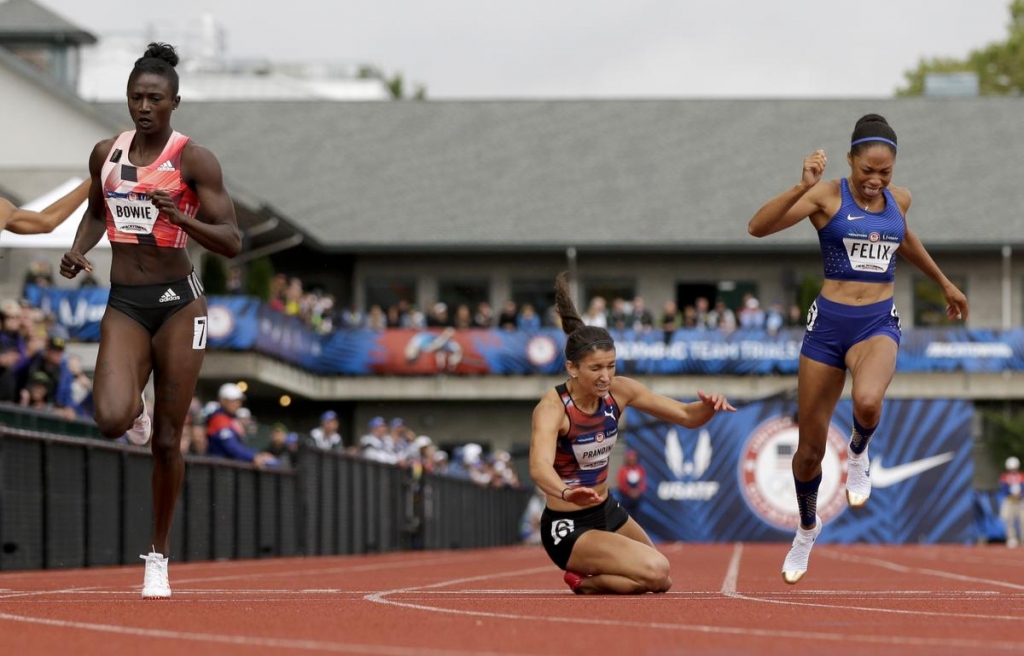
654, 573
112, 422
166, 444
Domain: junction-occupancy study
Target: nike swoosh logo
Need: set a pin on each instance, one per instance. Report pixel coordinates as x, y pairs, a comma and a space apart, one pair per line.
886, 477
853, 218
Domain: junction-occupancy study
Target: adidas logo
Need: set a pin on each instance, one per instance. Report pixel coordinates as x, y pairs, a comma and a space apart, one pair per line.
168, 296
166, 166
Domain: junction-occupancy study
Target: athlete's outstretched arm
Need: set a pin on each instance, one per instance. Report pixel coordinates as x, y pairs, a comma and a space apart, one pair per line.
27, 222
547, 419
913, 251
218, 230
94, 221
793, 205
690, 415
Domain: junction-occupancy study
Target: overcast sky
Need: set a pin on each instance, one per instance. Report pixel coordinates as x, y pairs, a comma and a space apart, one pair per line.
594, 48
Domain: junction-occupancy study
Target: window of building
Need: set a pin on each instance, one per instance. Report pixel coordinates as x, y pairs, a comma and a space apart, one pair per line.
454, 293
386, 292
930, 304
539, 293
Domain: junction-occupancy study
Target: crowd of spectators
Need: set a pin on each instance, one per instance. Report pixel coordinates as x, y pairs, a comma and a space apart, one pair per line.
321, 313
34, 371
226, 428
700, 315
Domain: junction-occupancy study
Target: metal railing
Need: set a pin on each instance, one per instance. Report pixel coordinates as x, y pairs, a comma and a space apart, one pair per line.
80, 502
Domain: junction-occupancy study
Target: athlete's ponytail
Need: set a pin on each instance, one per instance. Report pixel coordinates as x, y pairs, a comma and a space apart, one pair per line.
159, 59
582, 338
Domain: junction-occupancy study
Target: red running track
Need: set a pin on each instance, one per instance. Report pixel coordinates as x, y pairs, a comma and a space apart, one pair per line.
728, 599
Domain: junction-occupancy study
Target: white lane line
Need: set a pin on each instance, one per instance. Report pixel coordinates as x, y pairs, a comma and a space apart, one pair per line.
944, 643
733, 573
252, 641
905, 569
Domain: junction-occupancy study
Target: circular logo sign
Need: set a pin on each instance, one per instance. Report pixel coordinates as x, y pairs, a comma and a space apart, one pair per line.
221, 321
766, 473
541, 350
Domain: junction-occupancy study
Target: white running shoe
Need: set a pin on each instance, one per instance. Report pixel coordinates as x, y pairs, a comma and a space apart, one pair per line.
796, 560
138, 434
155, 585
858, 479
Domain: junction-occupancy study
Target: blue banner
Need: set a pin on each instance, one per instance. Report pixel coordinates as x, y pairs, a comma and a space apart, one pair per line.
243, 323
731, 480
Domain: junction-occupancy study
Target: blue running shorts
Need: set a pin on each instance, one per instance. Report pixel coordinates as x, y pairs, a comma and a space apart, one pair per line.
833, 328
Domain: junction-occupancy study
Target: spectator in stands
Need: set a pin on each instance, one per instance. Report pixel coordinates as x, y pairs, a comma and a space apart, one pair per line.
293, 297
724, 318
640, 319
36, 392
508, 319
352, 317
39, 273
248, 422
278, 287
13, 349
528, 318
376, 445
463, 317
751, 315
1011, 509
440, 463
80, 391
690, 318
439, 317
50, 361
671, 319
326, 436
484, 317
619, 315
702, 308
773, 319
375, 319
529, 522
226, 436
632, 482
282, 446
596, 314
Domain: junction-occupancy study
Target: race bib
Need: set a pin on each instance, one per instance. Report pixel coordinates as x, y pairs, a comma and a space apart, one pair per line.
592, 451
133, 215
869, 254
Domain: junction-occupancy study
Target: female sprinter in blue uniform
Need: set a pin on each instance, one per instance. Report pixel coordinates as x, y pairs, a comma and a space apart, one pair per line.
575, 427
147, 187
853, 324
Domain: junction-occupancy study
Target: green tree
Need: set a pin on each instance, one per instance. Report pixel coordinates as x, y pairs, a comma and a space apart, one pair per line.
999, 66
215, 274
1005, 435
257, 282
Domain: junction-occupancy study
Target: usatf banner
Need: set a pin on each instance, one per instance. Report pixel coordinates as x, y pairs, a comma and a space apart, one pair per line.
732, 480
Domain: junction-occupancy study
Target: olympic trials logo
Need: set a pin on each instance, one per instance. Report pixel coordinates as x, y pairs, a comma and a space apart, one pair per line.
541, 351
766, 474
560, 528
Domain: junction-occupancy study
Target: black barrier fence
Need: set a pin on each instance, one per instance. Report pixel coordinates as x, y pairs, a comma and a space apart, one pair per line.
78, 502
